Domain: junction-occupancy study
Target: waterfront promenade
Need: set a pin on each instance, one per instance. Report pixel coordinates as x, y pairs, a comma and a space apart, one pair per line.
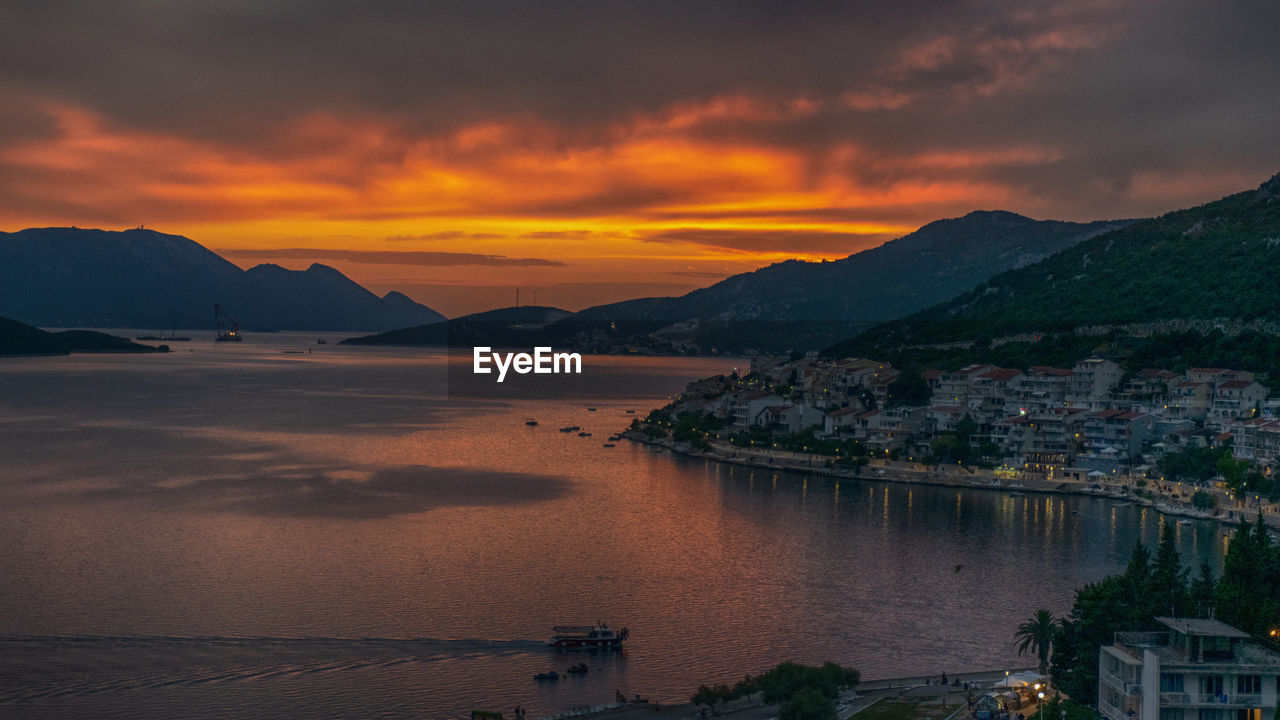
1172, 498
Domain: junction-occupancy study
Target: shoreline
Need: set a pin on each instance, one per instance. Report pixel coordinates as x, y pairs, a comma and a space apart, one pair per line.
944, 476
864, 695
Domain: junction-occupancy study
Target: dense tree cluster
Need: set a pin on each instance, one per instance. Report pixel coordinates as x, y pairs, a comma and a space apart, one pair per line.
804, 692
1202, 464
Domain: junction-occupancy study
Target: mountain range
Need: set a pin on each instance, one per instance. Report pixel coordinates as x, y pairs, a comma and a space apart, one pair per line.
988, 275
932, 264
788, 305
1216, 265
73, 277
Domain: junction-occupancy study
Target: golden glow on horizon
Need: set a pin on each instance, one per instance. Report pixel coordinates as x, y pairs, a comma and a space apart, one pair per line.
654, 202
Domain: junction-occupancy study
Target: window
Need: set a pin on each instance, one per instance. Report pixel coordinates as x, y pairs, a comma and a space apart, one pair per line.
1211, 684
1249, 684
1170, 682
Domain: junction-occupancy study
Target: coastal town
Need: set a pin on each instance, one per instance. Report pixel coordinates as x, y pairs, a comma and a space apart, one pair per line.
1203, 441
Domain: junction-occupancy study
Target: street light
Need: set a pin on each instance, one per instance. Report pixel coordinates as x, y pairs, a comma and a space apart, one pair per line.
1040, 695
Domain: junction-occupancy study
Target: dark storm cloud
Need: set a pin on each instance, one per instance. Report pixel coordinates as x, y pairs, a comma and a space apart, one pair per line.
393, 257
1121, 96
232, 67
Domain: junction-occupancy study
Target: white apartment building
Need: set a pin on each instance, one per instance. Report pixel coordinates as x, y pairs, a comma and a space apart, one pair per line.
1195, 669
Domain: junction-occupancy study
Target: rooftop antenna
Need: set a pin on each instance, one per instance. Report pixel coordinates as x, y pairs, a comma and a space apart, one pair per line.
535, 298
517, 297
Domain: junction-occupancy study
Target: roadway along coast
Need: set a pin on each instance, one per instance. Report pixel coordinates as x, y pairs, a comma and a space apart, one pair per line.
1169, 498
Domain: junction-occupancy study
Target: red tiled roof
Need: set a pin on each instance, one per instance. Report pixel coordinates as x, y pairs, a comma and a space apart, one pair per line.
1002, 374
1046, 370
1236, 384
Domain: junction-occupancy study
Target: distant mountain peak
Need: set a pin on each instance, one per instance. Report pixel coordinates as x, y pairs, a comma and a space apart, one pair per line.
143, 278
995, 215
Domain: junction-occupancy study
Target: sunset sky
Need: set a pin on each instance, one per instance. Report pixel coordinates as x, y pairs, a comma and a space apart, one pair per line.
596, 151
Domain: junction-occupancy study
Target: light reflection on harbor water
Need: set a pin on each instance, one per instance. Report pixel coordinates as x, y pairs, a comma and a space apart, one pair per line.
235, 532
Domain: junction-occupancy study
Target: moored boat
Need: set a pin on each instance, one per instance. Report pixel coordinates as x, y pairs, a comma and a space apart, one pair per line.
595, 636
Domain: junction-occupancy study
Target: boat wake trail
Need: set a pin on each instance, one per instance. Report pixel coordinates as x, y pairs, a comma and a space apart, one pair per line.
34, 668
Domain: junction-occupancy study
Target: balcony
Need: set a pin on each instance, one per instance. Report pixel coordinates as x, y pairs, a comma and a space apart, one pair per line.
1117, 683
1112, 712
1227, 700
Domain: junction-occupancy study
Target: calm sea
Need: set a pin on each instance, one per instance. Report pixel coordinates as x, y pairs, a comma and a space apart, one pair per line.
278, 529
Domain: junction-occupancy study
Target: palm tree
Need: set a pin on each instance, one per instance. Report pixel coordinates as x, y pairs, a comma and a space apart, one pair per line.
1036, 635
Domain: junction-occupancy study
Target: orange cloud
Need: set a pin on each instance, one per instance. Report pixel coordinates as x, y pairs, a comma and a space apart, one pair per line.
590, 206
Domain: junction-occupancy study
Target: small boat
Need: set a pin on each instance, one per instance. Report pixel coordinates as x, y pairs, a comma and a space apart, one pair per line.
578, 637
591, 409
553, 675
322, 341
291, 352
610, 445
570, 428
615, 438
584, 433
531, 423
577, 669
631, 412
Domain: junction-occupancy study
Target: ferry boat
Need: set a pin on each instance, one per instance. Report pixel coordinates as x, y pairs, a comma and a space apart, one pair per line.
599, 635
